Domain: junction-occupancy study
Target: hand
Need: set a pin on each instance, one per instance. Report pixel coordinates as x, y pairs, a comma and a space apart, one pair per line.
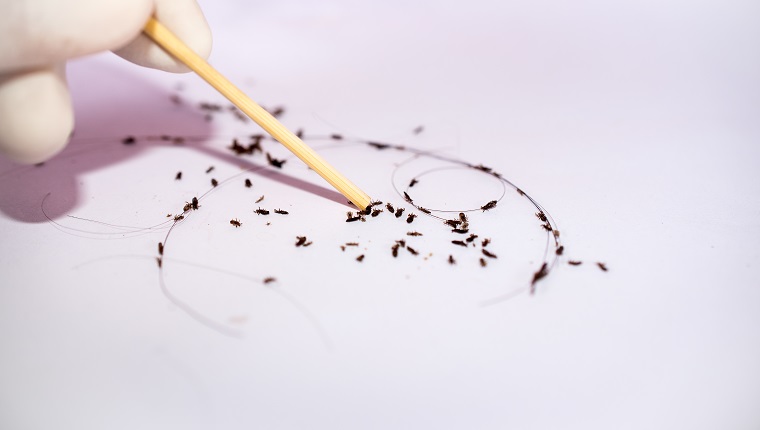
38, 36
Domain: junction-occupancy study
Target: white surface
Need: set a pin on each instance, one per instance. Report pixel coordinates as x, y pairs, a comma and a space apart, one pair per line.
633, 123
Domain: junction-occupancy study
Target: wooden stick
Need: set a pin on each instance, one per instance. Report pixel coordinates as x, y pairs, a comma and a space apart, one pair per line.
171, 44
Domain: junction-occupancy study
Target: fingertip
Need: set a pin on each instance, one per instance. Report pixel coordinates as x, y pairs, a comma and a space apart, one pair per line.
36, 117
185, 19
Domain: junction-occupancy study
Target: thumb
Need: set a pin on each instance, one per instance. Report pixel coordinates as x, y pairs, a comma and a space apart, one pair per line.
36, 116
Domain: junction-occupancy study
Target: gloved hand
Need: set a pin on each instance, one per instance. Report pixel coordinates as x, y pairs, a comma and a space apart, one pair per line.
38, 36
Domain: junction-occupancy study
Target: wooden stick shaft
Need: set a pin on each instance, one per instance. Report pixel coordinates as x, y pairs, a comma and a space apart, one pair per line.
171, 44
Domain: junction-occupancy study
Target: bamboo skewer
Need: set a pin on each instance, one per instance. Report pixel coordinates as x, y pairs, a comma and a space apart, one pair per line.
171, 44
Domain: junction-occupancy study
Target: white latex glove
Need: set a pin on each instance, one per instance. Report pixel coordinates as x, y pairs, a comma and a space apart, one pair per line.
38, 36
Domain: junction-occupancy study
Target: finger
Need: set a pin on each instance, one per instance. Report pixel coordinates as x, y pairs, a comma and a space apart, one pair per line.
36, 117
185, 19
36, 33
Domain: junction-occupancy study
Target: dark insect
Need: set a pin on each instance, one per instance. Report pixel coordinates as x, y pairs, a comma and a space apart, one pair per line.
299, 133
269, 280
541, 216
248, 183
540, 274
423, 210
483, 168
375, 203
260, 211
237, 148
378, 145
560, 250
259, 199
343, 248
461, 231
390, 207
399, 212
165, 137
556, 233
488, 254
365, 211
451, 260
459, 242
307, 243
255, 145
352, 243
178, 177
213, 107
158, 260
485, 242
360, 258
452, 223
210, 169
187, 207
546, 226
353, 218
239, 115
413, 182
301, 240
129, 140
407, 198
214, 182
236, 222
160, 248
195, 203
275, 162
279, 110
336, 136
413, 233
281, 212
574, 263
401, 243
483, 263
488, 206
412, 250
179, 218
520, 192
471, 238
394, 250
376, 212
462, 217
410, 218
602, 266
418, 129
168, 215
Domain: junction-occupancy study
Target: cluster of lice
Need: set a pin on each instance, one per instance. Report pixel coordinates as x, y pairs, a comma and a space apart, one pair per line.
253, 147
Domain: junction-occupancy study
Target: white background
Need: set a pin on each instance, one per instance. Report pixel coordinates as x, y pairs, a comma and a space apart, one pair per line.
634, 123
